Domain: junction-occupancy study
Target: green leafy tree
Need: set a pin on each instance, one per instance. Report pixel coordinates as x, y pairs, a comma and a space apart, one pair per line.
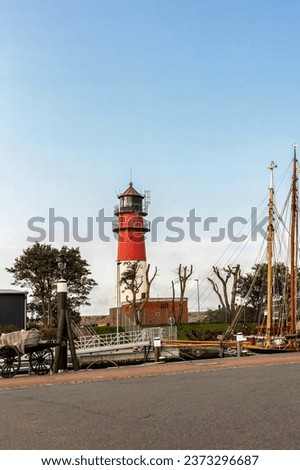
252, 288
36, 270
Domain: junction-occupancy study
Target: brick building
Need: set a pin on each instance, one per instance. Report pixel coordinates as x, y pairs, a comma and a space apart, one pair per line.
156, 312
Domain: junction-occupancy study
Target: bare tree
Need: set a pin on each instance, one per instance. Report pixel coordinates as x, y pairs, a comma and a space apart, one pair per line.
132, 281
227, 300
173, 299
183, 275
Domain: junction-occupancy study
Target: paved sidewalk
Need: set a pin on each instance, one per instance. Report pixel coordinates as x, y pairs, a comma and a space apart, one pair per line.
146, 370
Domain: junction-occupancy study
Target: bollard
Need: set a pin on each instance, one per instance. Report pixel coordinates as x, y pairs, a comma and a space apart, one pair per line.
239, 343
238, 348
157, 348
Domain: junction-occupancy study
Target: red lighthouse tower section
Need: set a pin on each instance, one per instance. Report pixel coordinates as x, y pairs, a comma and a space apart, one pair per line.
131, 228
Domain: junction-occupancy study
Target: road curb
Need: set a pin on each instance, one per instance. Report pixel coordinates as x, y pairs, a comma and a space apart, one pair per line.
146, 370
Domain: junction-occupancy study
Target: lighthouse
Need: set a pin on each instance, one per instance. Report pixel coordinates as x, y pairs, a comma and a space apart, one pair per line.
131, 226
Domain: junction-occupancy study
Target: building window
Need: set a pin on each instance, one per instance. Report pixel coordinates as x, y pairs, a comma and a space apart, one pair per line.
164, 305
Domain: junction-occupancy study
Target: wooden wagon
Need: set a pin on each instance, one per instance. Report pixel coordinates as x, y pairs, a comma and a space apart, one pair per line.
25, 346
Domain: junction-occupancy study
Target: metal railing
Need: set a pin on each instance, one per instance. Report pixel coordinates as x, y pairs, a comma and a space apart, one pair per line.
81, 331
134, 208
136, 337
143, 225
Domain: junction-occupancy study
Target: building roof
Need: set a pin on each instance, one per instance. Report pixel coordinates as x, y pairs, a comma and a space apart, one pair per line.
130, 191
161, 299
12, 291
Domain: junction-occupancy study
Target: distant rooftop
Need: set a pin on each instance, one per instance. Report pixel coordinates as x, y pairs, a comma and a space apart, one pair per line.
12, 291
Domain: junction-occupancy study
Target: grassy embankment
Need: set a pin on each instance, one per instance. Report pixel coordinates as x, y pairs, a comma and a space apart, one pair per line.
196, 331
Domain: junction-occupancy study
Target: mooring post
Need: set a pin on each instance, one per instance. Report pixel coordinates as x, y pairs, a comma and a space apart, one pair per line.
157, 348
239, 343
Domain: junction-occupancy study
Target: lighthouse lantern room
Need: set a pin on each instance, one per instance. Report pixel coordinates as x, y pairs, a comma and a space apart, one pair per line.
131, 227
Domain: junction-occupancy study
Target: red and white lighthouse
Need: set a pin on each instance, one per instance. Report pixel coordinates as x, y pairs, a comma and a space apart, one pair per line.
131, 228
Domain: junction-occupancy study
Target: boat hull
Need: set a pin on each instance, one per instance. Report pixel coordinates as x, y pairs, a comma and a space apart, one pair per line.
269, 350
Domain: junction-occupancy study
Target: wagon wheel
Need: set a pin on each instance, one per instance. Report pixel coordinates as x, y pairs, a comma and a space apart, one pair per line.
41, 361
10, 361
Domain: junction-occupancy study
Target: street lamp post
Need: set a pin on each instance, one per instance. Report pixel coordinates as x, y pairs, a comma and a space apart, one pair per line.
61, 351
64, 330
198, 294
118, 299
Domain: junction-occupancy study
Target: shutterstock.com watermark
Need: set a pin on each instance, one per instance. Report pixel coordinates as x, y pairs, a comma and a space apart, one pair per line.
175, 229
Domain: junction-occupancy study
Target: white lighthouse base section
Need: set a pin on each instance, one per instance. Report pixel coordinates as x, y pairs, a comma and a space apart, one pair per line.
125, 295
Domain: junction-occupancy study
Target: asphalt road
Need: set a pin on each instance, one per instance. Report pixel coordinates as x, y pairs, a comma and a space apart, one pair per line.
234, 408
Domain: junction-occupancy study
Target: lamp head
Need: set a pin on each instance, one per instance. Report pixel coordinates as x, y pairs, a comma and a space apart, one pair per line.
61, 263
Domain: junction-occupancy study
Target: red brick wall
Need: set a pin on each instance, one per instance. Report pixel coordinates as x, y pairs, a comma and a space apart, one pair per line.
156, 312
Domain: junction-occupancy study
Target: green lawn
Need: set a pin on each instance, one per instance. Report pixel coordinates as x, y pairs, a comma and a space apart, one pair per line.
201, 329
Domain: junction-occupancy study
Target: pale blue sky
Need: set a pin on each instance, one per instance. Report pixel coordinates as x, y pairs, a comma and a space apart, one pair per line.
195, 96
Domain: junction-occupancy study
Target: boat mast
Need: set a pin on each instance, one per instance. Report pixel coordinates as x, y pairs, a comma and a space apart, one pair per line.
270, 256
294, 217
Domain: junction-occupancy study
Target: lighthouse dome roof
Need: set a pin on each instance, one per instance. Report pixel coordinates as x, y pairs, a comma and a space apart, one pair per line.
131, 191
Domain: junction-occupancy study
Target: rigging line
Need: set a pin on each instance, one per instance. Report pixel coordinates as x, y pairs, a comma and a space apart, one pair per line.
284, 173
259, 219
193, 305
281, 179
243, 246
283, 238
287, 199
243, 305
258, 260
248, 220
282, 232
283, 223
239, 249
190, 296
261, 255
278, 185
285, 207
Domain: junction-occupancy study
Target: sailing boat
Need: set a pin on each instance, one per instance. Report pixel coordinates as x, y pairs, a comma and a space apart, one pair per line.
279, 334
